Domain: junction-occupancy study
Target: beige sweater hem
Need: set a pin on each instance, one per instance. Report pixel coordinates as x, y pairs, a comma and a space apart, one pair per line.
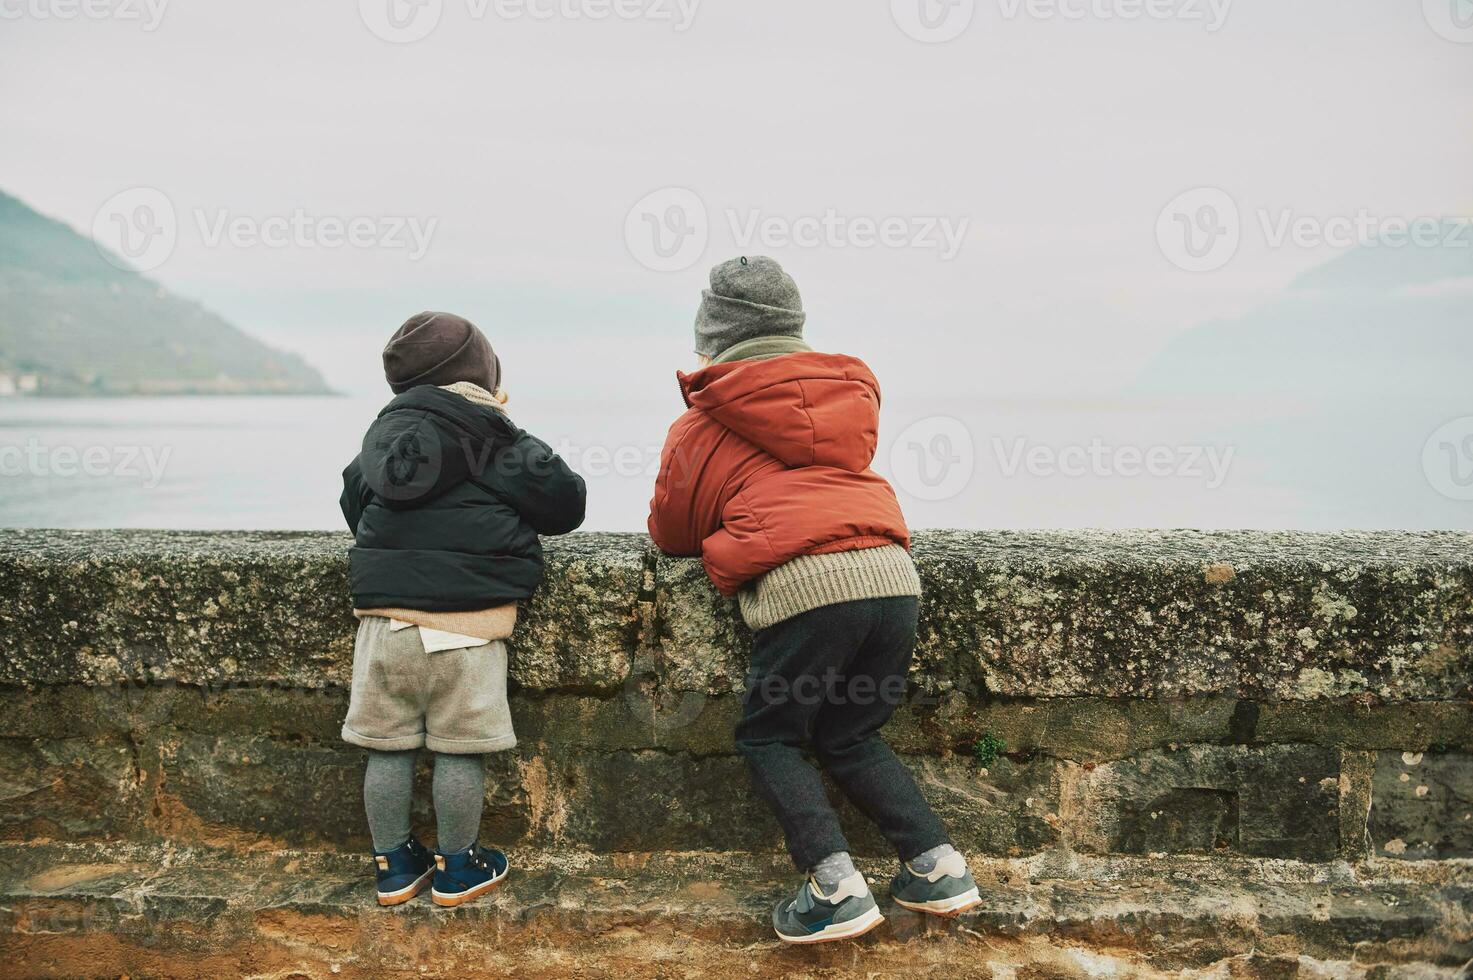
495, 623
810, 581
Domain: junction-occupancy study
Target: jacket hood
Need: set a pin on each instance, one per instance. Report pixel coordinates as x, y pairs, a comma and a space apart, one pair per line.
806, 409
426, 442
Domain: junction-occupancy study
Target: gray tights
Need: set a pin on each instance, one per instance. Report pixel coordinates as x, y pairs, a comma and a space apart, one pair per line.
459, 789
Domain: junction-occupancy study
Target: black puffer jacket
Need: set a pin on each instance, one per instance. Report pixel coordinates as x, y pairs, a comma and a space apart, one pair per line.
446, 501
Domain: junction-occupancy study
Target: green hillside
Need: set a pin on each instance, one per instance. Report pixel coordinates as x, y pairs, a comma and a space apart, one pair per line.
73, 324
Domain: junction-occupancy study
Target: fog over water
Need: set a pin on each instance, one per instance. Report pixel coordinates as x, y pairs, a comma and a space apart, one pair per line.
1111, 270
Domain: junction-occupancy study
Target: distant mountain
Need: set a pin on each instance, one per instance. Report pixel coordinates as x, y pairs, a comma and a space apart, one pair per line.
71, 323
1375, 321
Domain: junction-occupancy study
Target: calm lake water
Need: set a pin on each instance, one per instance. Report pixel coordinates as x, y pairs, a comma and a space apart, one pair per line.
213, 463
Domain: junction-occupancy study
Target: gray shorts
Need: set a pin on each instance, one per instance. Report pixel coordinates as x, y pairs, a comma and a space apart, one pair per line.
447, 701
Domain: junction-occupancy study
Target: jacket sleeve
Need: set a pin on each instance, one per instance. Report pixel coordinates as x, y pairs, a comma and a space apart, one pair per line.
679, 522
542, 488
356, 495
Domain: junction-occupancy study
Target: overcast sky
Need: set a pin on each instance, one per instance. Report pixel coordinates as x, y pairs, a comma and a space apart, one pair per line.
1047, 140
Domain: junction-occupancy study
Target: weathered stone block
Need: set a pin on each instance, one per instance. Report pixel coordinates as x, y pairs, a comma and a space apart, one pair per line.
1175, 613
651, 801
655, 800
217, 789
1010, 808
298, 715
1140, 614
1079, 729
156, 911
103, 607
1274, 801
581, 628
201, 679
212, 609
699, 642
64, 789
1364, 723
1422, 805
638, 717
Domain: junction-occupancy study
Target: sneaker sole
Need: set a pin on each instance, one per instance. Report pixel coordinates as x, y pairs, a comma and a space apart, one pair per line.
408, 892
852, 929
449, 900
947, 908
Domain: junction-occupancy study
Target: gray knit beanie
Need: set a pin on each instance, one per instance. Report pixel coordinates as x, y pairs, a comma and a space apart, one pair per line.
749, 297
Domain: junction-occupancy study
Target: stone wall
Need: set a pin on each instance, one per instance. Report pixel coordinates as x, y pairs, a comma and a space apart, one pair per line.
1242, 695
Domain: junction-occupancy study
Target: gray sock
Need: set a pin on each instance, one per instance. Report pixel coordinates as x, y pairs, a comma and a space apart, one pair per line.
925, 862
460, 790
832, 870
388, 782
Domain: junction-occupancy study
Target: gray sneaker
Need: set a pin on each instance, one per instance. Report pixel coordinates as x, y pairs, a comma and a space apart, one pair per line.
947, 891
811, 917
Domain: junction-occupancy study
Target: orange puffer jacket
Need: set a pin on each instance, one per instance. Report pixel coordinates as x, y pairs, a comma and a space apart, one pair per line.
771, 461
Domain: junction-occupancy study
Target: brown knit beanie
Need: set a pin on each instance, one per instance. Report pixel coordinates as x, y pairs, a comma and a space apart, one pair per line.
440, 349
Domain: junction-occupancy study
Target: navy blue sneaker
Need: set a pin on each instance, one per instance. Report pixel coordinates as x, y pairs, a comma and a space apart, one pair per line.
402, 872
467, 874
813, 917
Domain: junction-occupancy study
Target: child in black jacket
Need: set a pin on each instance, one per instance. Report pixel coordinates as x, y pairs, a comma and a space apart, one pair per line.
446, 502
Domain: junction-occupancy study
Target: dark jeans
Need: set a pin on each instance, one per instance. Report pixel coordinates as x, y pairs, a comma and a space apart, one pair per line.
829, 679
